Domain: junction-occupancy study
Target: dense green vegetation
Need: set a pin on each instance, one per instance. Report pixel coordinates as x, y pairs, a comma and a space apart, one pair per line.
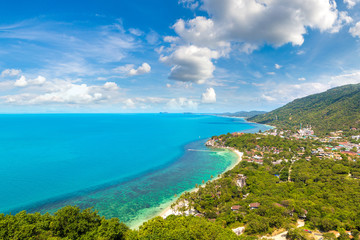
67, 223
181, 227
335, 109
73, 223
322, 188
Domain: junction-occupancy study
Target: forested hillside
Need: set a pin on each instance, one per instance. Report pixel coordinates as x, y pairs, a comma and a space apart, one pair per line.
335, 109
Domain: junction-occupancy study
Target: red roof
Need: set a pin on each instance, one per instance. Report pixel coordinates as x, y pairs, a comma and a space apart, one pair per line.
254, 205
235, 207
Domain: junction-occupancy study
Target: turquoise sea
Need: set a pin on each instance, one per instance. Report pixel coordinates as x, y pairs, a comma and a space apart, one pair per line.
124, 165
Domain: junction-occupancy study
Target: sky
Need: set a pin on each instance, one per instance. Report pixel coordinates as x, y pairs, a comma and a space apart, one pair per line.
141, 56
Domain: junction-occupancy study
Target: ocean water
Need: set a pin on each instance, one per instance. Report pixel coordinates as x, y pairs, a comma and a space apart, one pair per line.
124, 165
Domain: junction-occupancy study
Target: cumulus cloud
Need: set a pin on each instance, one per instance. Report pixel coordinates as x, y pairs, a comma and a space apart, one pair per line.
277, 66
111, 86
275, 22
130, 70
144, 68
201, 31
355, 30
191, 64
245, 25
21, 82
302, 79
10, 72
209, 96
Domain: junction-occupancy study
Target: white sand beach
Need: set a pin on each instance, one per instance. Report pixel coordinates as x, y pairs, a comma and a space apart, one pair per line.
172, 211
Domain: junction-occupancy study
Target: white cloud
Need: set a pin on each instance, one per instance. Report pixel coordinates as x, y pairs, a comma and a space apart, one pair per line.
136, 32
347, 78
343, 19
355, 30
270, 73
277, 66
39, 91
72, 94
200, 31
182, 104
144, 68
191, 64
111, 86
171, 39
300, 52
284, 93
21, 82
302, 79
124, 69
268, 98
129, 69
351, 3
245, 25
38, 81
129, 103
10, 72
275, 22
209, 96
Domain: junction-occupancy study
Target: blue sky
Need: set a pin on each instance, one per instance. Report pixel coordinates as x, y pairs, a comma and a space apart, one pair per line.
173, 55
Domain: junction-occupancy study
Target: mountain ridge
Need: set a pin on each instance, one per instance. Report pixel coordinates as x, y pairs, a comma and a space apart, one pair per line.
335, 109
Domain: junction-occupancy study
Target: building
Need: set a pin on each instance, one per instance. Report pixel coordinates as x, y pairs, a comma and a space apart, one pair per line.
254, 205
235, 208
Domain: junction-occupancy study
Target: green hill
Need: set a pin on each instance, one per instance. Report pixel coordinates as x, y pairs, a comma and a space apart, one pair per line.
335, 109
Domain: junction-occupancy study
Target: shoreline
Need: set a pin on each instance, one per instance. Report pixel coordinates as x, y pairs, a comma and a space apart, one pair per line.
169, 211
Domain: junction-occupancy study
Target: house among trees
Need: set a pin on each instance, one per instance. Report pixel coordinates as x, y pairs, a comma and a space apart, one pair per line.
235, 208
254, 205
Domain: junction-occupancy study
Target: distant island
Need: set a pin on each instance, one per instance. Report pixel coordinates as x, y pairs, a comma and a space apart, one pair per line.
243, 114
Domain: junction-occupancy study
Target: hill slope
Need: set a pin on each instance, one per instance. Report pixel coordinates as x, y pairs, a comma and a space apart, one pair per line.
335, 109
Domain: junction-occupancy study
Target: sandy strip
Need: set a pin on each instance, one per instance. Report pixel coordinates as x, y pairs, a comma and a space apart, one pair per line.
169, 211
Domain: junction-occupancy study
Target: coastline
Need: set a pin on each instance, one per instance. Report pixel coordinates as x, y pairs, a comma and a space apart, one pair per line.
170, 211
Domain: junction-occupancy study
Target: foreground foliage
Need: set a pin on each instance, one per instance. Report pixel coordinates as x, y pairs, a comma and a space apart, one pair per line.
72, 223
181, 227
67, 223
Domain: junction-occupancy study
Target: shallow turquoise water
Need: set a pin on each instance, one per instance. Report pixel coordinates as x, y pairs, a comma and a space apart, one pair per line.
124, 165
